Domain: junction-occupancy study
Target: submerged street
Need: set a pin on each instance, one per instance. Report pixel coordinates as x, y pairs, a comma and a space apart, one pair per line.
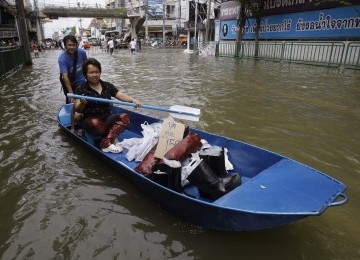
58, 201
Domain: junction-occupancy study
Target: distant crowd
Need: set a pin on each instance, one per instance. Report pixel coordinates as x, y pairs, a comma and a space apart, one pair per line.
9, 42
40, 45
109, 44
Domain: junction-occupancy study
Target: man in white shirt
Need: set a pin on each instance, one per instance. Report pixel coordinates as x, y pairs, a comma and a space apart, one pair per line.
111, 45
133, 46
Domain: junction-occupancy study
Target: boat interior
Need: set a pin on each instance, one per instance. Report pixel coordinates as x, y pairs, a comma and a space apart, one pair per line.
264, 175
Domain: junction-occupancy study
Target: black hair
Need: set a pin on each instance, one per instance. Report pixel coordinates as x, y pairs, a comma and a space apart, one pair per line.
90, 61
71, 38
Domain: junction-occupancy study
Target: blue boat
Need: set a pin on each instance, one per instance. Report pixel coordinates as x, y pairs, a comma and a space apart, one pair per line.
275, 190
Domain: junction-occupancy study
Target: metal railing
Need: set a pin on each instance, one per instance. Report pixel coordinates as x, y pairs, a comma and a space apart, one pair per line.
11, 58
330, 54
352, 57
266, 51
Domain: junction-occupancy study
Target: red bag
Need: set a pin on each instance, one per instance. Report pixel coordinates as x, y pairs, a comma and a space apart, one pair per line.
146, 165
190, 144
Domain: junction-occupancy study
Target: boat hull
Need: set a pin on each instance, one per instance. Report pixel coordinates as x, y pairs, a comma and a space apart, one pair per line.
245, 208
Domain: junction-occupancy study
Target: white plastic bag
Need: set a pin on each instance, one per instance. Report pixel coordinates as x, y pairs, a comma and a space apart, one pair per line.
142, 146
228, 165
189, 166
212, 151
130, 142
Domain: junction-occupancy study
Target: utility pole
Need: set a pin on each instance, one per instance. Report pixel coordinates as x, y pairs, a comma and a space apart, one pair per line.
24, 38
81, 29
207, 32
38, 24
196, 18
163, 27
179, 13
146, 21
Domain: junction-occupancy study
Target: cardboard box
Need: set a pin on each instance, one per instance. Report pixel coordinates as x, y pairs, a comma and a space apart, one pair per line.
171, 133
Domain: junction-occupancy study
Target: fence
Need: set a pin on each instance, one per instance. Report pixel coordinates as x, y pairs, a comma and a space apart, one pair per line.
330, 54
11, 58
352, 58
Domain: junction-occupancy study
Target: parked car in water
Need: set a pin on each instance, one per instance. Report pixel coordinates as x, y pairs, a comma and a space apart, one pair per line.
156, 42
87, 44
121, 44
95, 41
183, 40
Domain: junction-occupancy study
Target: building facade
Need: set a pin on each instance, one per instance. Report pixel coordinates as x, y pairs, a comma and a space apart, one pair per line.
9, 21
175, 17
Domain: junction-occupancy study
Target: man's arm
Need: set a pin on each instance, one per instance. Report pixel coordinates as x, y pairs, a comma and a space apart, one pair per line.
67, 82
64, 73
79, 105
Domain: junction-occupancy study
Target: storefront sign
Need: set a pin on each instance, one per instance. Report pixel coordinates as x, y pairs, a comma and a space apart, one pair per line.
8, 34
229, 10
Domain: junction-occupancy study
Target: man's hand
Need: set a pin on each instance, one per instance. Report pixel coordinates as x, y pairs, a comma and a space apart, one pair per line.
137, 103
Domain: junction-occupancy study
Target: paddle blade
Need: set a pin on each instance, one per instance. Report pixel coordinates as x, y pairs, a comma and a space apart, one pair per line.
186, 113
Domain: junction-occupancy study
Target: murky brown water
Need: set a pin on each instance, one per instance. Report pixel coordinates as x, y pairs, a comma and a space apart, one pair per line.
57, 201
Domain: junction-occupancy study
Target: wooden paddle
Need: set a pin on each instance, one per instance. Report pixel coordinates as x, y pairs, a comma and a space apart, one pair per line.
181, 112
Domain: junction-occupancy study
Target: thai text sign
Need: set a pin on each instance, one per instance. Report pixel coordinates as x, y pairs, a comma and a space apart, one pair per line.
229, 10
171, 133
329, 23
273, 7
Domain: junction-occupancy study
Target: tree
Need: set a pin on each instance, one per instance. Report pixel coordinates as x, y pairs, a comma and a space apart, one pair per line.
248, 8
241, 19
256, 9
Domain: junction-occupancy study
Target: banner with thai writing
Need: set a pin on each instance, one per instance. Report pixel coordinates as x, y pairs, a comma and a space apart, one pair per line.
275, 7
228, 30
343, 22
155, 9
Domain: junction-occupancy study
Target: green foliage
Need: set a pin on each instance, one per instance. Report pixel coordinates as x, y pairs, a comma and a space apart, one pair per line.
255, 7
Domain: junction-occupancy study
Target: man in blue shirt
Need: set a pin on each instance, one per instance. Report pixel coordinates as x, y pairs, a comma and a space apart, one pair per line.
66, 64
72, 76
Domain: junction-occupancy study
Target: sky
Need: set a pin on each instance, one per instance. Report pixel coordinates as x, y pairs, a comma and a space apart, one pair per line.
62, 23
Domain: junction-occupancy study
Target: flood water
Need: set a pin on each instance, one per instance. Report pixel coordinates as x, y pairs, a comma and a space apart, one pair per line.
59, 202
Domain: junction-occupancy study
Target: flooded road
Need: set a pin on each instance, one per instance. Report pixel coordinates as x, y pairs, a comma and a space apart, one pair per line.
58, 202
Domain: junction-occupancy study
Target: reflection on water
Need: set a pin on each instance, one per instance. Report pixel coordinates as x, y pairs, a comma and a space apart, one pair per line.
58, 202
